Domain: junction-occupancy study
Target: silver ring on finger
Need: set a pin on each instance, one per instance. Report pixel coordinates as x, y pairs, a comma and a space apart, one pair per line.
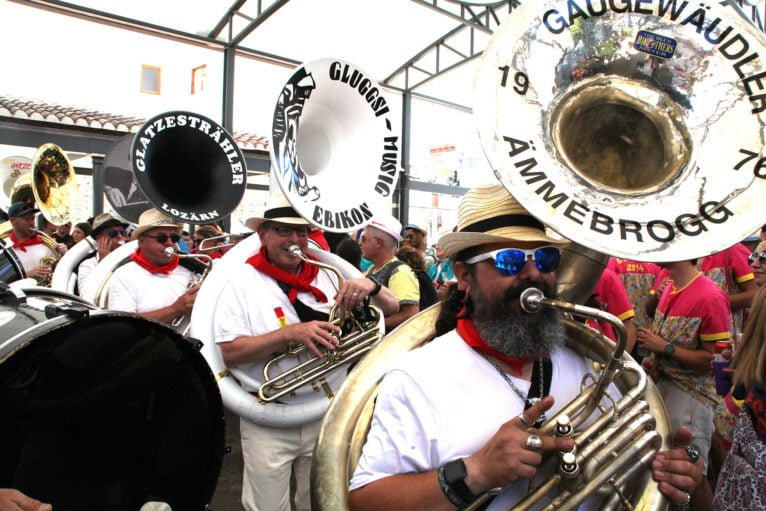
685, 505
693, 452
524, 420
533, 443
354, 293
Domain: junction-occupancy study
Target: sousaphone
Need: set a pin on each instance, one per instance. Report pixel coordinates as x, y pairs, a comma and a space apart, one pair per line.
334, 154
634, 129
189, 167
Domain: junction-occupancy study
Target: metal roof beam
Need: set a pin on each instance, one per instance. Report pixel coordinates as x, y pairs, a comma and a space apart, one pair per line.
430, 61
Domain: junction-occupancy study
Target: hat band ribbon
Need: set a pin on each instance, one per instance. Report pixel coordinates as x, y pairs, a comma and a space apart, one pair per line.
498, 222
284, 212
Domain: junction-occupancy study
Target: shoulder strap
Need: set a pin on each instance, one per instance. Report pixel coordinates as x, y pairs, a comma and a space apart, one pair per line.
304, 312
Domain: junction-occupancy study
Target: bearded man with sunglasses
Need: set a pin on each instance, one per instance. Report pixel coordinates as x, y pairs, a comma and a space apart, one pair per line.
453, 418
109, 233
154, 284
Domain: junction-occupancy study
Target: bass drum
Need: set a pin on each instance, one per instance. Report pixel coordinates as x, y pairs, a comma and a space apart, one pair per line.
103, 410
10, 266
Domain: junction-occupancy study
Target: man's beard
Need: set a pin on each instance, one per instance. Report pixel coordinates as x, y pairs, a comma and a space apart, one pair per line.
512, 332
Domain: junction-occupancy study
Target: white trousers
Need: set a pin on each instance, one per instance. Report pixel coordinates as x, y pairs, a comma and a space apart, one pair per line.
271, 455
686, 412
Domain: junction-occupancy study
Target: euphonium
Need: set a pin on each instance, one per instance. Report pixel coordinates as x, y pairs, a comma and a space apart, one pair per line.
360, 331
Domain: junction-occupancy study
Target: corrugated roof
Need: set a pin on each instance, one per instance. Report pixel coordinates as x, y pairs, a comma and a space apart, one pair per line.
21, 108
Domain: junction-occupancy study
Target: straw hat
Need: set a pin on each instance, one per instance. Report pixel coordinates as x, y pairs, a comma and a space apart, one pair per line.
105, 220
388, 224
150, 219
489, 214
277, 209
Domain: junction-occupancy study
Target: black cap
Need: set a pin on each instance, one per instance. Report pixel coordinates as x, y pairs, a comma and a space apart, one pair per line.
20, 208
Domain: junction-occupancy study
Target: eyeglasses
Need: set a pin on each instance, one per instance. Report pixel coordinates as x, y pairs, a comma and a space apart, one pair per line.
761, 256
114, 232
284, 231
163, 238
510, 261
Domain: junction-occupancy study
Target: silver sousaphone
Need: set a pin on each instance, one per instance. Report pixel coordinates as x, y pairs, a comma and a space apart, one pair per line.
636, 133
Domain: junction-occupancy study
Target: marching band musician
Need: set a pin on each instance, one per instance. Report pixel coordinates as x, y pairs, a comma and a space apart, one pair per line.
153, 284
454, 418
276, 299
109, 233
27, 243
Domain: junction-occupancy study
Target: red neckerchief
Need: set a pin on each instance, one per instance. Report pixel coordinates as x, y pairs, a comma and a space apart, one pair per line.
215, 255
472, 338
140, 259
300, 282
34, 240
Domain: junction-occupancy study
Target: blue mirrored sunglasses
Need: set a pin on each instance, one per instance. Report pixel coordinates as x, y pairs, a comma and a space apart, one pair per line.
510, 261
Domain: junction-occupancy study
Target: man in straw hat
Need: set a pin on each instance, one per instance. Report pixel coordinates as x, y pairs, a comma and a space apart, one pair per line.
276, 299
451, 419
27, 243
109, 233
154, 284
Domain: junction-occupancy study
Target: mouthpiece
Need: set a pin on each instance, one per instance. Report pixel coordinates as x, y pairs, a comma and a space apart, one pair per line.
295, 250
530, 300
169, 251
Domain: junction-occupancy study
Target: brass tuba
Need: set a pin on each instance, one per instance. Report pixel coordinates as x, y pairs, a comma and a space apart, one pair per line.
51, 185
623, 143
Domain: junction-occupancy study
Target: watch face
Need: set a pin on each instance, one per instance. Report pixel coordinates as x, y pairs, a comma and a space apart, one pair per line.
454, 471
670, 348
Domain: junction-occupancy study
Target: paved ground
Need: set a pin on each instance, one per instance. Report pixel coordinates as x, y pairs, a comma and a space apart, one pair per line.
229, 489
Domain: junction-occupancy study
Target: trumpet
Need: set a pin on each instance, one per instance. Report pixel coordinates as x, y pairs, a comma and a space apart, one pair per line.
195, 281
359, 333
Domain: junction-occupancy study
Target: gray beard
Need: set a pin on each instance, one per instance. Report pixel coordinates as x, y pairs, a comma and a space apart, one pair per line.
527, 337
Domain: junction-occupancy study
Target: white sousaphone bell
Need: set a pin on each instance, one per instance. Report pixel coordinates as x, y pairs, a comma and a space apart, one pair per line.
334, 147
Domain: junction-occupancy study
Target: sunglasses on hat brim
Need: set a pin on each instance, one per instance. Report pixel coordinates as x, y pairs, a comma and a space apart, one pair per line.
510, 261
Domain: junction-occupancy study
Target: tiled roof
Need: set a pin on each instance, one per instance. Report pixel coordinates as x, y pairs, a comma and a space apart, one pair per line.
50, 112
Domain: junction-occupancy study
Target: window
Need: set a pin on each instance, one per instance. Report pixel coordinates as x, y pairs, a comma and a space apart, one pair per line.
198, 79
150, 79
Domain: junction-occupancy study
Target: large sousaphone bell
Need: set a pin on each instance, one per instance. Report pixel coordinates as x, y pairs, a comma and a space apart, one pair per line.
334, 146
188, 166
634, 130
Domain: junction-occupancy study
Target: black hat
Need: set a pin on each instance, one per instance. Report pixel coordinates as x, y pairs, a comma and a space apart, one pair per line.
21, 208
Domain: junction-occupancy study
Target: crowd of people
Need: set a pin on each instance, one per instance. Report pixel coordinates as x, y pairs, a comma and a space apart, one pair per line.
460, 415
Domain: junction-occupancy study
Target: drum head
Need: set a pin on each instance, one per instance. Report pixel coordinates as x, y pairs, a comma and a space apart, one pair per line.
104, 410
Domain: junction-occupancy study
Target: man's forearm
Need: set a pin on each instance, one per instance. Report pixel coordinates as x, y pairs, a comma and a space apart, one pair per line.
404, 492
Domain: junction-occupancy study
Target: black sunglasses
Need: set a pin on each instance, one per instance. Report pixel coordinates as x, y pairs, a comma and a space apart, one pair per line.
761, 256
163, 238
114, 232
285, 231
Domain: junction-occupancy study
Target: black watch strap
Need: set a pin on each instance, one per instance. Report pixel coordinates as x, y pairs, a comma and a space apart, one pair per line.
452, 482
378, 285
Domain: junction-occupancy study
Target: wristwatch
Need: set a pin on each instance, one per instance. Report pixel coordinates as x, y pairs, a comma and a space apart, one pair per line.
452, 480
378, 285
670, 348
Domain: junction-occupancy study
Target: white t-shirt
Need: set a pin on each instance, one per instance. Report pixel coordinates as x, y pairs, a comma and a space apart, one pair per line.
85, 269
31, 256
445, 401
252, 303
133, 289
